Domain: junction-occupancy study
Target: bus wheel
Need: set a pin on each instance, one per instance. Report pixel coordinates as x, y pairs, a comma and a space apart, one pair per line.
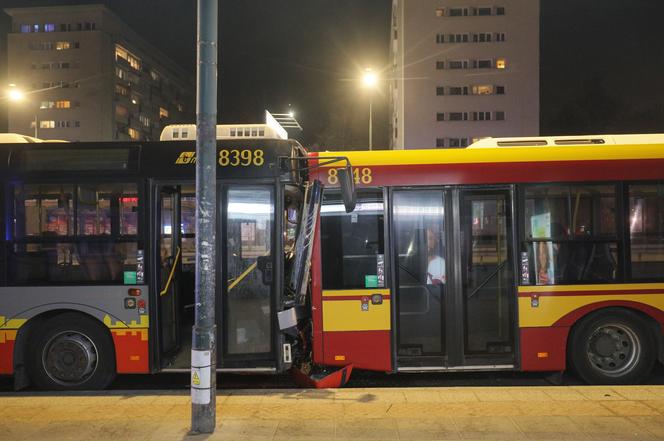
72, 352
612, 347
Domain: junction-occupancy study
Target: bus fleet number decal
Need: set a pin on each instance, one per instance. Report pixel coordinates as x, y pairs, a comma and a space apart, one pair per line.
361, 175
242, 158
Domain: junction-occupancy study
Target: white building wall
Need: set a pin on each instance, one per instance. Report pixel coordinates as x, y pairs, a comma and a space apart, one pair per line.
421, 42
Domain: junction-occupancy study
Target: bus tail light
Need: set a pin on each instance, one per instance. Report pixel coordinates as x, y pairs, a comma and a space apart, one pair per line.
134, 292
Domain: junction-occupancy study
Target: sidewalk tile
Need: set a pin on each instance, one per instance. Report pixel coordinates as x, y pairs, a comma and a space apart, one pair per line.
457, 395
564, 394
425, 429
629, 408
235, 428
611, 427
653, 424
598, 393
305, 429
550, 427
367, 429
490, 427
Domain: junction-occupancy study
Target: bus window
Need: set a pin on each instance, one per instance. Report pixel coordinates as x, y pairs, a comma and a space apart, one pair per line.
646, 230
104, 213
249, 230
571, 233
352, 243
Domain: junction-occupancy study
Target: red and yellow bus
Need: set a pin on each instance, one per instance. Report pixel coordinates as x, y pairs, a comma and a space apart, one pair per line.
530, 254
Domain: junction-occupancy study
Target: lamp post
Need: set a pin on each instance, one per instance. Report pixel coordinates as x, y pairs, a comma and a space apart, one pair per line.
16, 95
369, 81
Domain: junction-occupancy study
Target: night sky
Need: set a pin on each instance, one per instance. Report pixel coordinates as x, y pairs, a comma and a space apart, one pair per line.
601, 61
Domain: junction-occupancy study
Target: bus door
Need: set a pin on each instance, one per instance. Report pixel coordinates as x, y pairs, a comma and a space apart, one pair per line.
169, 267
420, 250
454, 278
247, 297
487, 301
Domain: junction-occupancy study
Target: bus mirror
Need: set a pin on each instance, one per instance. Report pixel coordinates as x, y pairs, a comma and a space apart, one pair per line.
347, 185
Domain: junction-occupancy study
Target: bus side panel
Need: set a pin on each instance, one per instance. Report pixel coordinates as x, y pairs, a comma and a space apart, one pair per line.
363, 349
547, 313
543, 349
127, 323
7, 339
316, 300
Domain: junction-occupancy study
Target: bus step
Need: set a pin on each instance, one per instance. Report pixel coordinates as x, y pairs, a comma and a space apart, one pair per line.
335, 379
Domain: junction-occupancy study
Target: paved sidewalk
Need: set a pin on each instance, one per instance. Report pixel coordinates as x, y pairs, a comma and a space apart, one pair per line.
469, 413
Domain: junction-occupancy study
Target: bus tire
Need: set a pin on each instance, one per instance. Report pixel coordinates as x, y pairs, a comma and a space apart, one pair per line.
71, 351
612, 347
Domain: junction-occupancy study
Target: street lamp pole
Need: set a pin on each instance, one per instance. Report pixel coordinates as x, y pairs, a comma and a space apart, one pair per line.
36, 126
370, 123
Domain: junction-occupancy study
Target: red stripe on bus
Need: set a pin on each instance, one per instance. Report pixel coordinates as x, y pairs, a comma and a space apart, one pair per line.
515, 172
7, 357
598, 292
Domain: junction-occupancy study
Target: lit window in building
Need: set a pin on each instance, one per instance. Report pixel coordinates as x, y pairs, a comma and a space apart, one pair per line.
47, 124
121, 90
62, 45
63, 104
36, 28
47, 104
49, 27
144, 120
130, 58
440, 12
25, 29
500, 63
484, 89
163, 113
133, 133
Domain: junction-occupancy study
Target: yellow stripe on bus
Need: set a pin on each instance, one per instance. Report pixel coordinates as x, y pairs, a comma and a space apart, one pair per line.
347, 315
356, 292
502, 154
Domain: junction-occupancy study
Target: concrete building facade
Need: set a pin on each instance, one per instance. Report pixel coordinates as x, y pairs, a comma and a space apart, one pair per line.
89, 77
463, 70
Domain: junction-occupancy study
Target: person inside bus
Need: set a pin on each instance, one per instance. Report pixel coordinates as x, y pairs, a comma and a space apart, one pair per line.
436, 263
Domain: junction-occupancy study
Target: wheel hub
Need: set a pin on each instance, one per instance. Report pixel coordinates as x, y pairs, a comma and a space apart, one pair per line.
613, 349
70, 358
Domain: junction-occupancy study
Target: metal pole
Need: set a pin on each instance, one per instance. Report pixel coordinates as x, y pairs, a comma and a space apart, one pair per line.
370, 118
203, 349
36, 126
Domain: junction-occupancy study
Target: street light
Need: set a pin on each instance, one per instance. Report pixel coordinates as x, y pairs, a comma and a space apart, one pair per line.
16, 95
370, 81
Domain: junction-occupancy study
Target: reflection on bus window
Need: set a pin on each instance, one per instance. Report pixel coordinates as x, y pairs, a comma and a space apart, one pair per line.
646, 230
571, 234
352, 243
43, 210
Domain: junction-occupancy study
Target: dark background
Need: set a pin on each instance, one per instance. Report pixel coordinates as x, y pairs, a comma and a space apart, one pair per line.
601, 61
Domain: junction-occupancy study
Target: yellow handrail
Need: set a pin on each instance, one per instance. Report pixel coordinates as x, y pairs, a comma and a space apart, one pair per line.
242, 276
170, 276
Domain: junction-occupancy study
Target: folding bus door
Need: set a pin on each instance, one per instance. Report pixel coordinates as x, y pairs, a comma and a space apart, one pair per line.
247, 298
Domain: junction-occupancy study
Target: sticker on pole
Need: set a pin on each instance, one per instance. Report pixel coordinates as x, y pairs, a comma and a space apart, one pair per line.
201, 373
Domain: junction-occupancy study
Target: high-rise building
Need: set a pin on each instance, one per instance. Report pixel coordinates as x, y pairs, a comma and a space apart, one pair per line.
463, 71
89, 77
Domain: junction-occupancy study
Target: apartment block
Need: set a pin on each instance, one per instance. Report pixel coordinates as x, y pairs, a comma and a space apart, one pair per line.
89, 77
462, 71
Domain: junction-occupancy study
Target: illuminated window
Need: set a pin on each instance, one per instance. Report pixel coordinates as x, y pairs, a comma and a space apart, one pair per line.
47, 124
163, 113
440, 12
144, 120
62, 45
121, 90
36, 28
63, 104
49, 27
47, 104
483, 90
122, 53
25, 28
500, 63
133, 133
